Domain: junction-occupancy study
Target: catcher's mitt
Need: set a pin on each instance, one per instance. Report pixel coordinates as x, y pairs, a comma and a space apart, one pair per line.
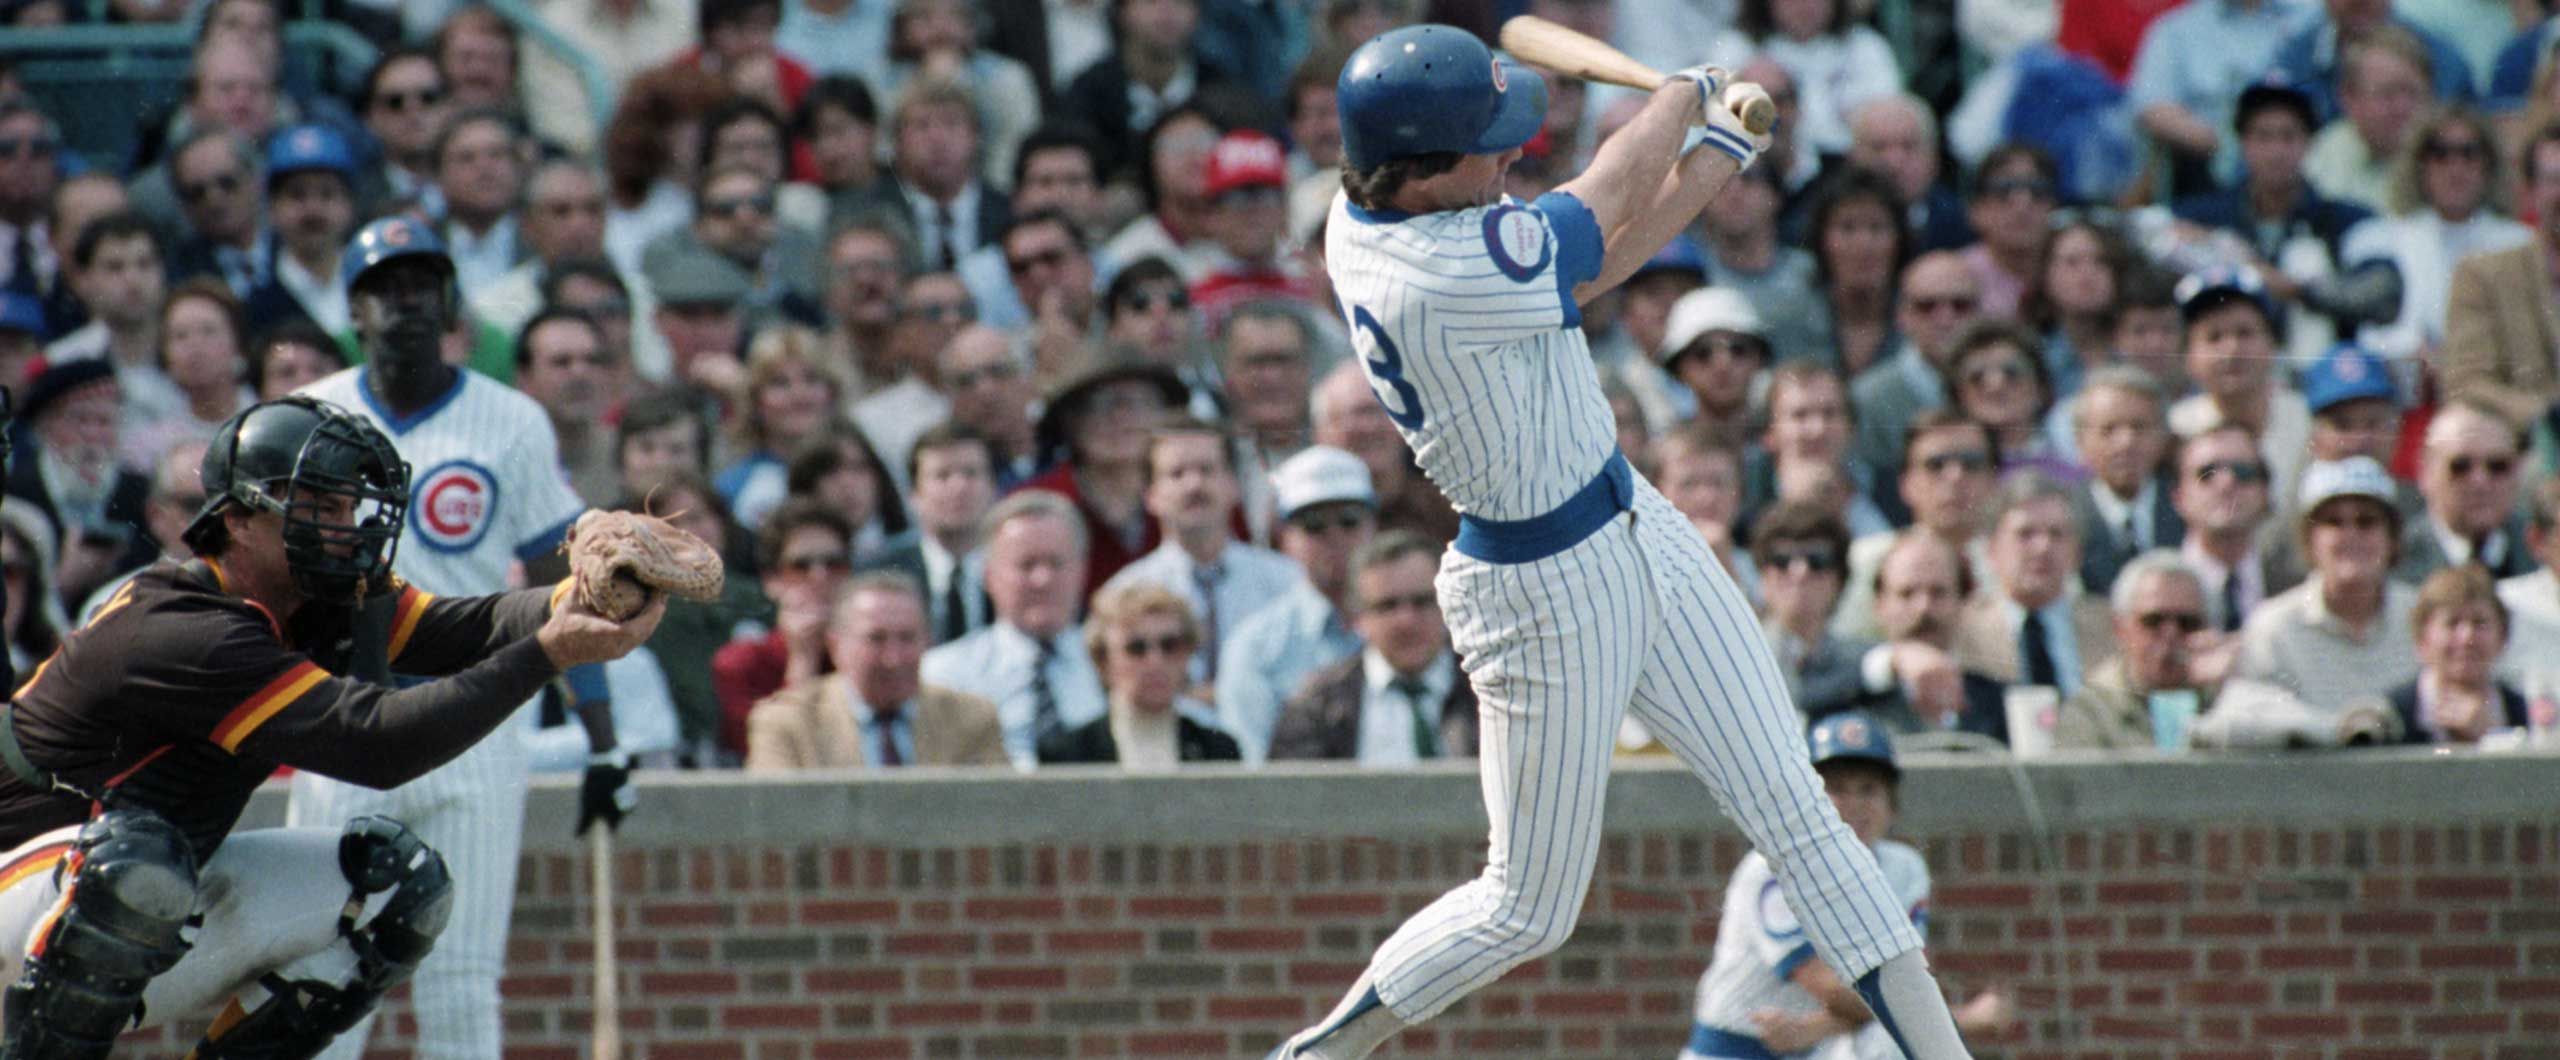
618, 559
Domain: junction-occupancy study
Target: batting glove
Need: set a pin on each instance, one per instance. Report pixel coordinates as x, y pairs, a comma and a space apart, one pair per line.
1710, 81
606, 794
1725, 132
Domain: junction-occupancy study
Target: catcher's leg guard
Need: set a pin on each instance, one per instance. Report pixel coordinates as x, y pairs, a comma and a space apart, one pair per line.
300, 1017
131, 886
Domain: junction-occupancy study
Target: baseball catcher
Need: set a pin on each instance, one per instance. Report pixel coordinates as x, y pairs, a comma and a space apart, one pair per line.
132, 751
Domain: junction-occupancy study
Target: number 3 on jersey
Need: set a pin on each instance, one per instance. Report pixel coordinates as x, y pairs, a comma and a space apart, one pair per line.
1386, 373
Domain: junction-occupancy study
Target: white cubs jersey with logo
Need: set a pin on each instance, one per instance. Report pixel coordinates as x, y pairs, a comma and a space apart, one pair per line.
485, 482
1466, 323
1760, 943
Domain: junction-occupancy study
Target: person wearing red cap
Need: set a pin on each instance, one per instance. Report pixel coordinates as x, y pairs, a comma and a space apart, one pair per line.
1247, 187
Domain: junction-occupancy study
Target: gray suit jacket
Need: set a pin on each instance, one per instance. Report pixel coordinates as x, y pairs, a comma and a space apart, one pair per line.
1887, 400
2421, 554
2102, 553
1323, 719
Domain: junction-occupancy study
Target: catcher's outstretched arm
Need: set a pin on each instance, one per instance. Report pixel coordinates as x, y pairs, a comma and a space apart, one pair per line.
587, 689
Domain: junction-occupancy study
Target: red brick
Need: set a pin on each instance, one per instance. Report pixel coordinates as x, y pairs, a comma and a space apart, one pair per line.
697, 1051
1640, 901
1581, 1003
1010, 944
2000, 896
2386, 992
2330, 1026
2517, 991
539, 987
2464, 888
1179, 1043
823, 911
1096, 943
1256, 1009
855, 980
2216, 925
2463, 1023
1050, 977
2304, 958
2106, 1027
1177, 907
862, 1049
1258, 940
2131, 960
685, 914
1014, 909
772, 1017
2142, 893
936, 1014
2388, 922
1337, 906
2492, 958
662, 984
2381, 1053
2219, 992
1322, 974
1502, 1041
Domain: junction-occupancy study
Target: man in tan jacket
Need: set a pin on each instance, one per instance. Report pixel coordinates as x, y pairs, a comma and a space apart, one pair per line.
874, 711
2501, 322
2168, 665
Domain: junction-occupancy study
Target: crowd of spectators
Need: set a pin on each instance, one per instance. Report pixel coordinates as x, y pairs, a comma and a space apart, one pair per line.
990, 341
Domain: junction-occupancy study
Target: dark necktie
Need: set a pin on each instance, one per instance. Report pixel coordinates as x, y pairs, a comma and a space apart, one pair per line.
1426, 735
22, 266
948, 229
2037, 652
2128, 538
1044, 699
955, 605
1206, 577
887, 723
2231, 601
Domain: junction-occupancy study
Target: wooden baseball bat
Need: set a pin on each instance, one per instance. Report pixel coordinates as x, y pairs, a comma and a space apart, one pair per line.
608, 1014
1535, 40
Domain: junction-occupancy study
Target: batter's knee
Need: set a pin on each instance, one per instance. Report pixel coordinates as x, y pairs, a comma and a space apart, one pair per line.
121, 922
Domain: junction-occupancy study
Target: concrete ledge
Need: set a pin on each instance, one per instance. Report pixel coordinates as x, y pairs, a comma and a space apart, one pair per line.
942, 808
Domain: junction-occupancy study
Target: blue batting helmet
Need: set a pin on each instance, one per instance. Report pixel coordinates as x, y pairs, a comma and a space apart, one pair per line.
1852, 735
1422, 89
390, 239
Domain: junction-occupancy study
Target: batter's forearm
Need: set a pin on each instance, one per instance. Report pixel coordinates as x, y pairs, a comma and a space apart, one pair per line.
1630, 167
1677, 198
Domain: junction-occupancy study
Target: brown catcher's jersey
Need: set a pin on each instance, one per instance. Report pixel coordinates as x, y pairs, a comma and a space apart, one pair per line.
180, 698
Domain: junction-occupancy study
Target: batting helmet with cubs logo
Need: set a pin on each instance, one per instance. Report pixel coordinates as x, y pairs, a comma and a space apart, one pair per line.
1431, 88
391, 239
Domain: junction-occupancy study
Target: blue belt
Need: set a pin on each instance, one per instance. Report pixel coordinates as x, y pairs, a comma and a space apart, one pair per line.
1611, 491
1708, 1041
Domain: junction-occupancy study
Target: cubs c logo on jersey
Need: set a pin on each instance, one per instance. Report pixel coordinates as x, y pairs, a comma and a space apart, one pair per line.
1517, 242
453, 505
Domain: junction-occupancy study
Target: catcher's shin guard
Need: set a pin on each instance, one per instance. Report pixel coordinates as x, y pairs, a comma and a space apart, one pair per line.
130, 890
300, 1017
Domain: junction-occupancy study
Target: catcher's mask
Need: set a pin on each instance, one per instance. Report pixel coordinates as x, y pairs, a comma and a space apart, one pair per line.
288, 456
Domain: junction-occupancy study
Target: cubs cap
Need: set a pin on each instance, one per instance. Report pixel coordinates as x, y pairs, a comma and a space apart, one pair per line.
302, 148
1431, 88
2347, 372
1852, 735
1321, 474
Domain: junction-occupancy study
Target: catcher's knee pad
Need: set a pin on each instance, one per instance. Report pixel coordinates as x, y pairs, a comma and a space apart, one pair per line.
302, 1016
121, 920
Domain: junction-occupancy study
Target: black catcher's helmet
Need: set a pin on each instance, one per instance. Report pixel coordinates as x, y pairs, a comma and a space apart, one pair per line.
274, 450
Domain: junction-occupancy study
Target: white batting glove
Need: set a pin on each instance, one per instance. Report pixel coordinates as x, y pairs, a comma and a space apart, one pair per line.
1725, 132
1710, 81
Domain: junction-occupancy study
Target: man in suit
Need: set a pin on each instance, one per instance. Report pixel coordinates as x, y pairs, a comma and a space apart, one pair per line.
2121, 423
1032, 660
1802, 555
2502, 324
2168, 667
29, 172
1154, 69
222, 196
2030, 628
1191, 491
2468, 472
1913, 681
934, 184
2221, 491
874, 712
1937, 298
1402, 699
1898, 137
94, 503
953, 469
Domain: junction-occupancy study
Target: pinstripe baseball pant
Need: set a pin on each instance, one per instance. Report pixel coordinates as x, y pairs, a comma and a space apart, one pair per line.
1638, 616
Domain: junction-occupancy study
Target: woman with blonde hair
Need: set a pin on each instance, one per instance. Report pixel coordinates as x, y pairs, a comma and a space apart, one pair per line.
2444, 200
1142, 637
791, 393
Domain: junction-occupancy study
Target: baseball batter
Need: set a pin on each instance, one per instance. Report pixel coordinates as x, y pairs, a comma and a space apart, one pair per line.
132, 751
1575, 592
488, 491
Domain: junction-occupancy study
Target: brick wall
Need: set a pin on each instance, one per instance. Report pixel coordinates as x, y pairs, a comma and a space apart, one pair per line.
2284, 908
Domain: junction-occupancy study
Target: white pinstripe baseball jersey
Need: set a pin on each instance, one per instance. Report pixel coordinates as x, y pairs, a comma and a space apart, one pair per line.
1759, 941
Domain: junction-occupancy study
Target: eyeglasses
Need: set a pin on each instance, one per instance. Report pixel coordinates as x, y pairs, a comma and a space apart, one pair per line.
1741, 347
834, 561
2002, 372
1341, 523
1051, 258
2001, 189
939, 312
1171, 644
2493, 466
2361, 521
1409, 602
1950, 303
2466, 150
1971, 460
733, 205
2240, 471
609, 309
195, 191
1144, 300
1257, 195
2185, 621
29, 147
1813, 562
420, 99
965, 378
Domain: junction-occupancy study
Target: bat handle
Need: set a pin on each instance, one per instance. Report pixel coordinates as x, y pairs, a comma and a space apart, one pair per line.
608, 1005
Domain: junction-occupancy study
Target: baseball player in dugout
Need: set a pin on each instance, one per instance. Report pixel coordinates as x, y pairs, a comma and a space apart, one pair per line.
132, 751
1575, 592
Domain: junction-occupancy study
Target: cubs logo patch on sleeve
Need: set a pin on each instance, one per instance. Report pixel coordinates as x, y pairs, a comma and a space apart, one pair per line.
1517, 242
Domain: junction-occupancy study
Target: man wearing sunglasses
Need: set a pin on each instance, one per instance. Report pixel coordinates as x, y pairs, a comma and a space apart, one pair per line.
221, 193
1937, 297
1801, 553
733, 216
2468, 472
2164, 669
29, 169
1948, 472
2222, 493
1401, 700
1328, 511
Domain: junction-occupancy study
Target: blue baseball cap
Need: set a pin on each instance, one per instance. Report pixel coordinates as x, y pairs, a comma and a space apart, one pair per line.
2347, 372
1679, 255
301, 148
2203, 292
1851, 735
22, 313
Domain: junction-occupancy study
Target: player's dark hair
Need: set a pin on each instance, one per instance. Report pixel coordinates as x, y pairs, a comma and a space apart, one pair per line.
1799, 521
1375, 188
1941, 419
1850, 186
295, 332
122, 224
950, 434
550, 314
792, 516
827, 454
